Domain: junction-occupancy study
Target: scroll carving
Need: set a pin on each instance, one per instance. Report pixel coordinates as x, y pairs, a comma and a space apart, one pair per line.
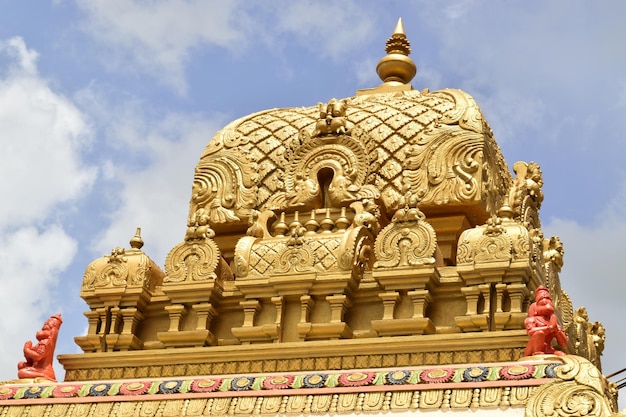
586, 338
495, 245
325, 171
579, 390
113, 274
408, 241
526, 195
295, 258
192, 262
488, 243
444, 166
223, 187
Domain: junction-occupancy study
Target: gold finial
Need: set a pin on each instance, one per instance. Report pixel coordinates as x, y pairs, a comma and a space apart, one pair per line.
396, 68
137, 242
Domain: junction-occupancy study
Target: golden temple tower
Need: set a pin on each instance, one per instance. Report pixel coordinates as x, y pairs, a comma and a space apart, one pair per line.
369, 254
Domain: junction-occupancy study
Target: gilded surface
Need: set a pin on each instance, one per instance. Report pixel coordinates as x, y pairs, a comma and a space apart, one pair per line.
579, 390
587, 338
391, 213
435, 144
192, 261
353, 391
408, 241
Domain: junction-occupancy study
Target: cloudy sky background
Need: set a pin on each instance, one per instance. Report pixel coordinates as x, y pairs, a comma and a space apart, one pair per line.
106, 106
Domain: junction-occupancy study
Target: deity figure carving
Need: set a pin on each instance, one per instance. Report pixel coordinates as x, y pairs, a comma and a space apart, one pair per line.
587, 337
534, 182
542, 326
553, 252
39, 357
332, 119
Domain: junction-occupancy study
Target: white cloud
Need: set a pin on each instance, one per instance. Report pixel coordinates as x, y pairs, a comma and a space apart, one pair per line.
159, 36
329, 29
43, 135
30, 263
155, 193
21, 60
593, 275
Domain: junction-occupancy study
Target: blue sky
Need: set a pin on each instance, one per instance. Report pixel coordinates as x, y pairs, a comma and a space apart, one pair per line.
106, 106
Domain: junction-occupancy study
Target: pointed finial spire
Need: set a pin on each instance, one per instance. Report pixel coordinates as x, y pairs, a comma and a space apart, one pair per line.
136, 242
396, 68
399, 30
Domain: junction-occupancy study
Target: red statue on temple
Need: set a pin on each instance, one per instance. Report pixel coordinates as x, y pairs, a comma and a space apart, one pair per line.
542, 326
39, 357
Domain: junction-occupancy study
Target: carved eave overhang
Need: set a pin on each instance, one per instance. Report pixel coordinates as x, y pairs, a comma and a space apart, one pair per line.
539, 387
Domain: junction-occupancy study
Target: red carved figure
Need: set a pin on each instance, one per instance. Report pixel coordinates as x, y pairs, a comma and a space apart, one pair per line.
39, 357
542, 326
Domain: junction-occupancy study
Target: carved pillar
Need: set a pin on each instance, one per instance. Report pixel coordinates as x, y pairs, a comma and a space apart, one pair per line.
306, 306
420, 300
176, 312
390, 299
105, 321
500, 317
204, 314
518, 297
251, 331
122, 336
92, 341
474, 320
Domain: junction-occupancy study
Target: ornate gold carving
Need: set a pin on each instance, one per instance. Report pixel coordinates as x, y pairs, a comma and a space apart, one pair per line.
579, 390
192, 261
408, 241
332, 120
117, 289
430, 399
586, 338
455, 163
553, 253
526, 195
224, 186
325, 171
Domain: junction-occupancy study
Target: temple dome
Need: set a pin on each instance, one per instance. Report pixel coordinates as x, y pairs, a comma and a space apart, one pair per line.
390, 144
435, 146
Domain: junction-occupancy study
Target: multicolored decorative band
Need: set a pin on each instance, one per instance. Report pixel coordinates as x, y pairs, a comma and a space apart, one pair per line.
470, 375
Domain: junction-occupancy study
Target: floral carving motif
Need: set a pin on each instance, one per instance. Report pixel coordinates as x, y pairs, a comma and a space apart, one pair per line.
295, 259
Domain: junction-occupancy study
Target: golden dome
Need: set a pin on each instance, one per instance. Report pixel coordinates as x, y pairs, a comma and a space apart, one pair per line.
435, 146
